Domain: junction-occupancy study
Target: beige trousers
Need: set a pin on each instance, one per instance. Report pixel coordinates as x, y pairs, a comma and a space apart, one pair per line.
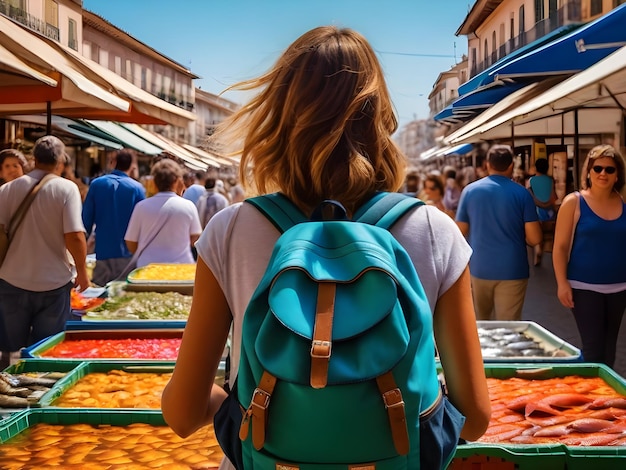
499, 300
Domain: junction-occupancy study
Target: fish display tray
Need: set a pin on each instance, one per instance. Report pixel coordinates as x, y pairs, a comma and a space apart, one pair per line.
203, 448
21, 421
38, 349
134, 276
165, 286
89, 367
506, 456
157, 285
491, 457
558, 349
85, 324
41, 366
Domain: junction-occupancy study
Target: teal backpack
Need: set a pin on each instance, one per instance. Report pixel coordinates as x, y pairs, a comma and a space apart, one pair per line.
337, 368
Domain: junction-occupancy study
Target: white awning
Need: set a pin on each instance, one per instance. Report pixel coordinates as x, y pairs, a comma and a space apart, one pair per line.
602, 85
74, 128
130, 139
75, 91
506, 104
141, 100
168, 146
14, 71
213, 160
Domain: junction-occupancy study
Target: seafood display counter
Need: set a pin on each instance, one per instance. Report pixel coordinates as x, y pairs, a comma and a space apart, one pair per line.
551, 416
160, 277
131, 345
94, 439
99, 414
523, 341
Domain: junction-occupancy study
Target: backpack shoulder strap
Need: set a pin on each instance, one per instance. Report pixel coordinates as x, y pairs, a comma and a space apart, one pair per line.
279, 210
385, 209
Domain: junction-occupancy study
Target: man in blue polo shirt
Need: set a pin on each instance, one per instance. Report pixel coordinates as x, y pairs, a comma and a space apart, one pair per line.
498, 218
108, 206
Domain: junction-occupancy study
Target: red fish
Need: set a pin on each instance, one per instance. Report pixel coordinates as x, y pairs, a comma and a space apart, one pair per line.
609, 402
519, 403
553, 405
589, 425
588, 440
618, 427
557, 430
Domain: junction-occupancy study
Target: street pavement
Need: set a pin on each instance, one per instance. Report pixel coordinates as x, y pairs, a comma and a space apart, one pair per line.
543, 307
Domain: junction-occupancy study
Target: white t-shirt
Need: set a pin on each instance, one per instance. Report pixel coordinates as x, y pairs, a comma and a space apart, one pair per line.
173, 219
38, 259
238, 241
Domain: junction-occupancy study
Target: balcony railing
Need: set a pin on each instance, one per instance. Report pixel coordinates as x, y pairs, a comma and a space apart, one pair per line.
28, 20
570, 12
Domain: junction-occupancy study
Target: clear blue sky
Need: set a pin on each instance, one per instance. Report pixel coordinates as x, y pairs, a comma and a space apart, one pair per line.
225, 41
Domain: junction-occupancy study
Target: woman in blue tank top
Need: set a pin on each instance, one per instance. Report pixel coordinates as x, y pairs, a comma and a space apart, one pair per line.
589, 253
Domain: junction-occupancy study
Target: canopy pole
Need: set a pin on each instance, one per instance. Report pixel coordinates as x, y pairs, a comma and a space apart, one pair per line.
576, 150
48, 118
513, 134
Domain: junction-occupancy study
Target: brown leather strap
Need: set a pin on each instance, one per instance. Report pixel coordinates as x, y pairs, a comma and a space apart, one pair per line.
321, 344
392, 396
17, 218
258, 409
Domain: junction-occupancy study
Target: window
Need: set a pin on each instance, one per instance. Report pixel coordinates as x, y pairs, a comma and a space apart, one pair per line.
72, 39
596, 7
553, 9
539, 11
512, 28
522, 20
129, 70
20, 4
144, 79
617, 3
486, 51
117, 65
52, 13
95, 52
494, 46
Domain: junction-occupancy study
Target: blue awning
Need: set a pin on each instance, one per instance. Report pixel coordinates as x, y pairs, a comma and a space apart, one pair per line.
475, 102
485, 76
571, 53
461, 149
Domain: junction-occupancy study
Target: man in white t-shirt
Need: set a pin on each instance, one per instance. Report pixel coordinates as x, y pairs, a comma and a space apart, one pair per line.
37, 274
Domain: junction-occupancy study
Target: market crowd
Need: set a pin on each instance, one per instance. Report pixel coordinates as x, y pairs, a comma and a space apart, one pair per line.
53, 220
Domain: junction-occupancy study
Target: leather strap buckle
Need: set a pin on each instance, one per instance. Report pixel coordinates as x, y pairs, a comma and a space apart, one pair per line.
321, 349
260, 399
393, 398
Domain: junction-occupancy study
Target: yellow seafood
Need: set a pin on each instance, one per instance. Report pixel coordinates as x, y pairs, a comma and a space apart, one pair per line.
164, 272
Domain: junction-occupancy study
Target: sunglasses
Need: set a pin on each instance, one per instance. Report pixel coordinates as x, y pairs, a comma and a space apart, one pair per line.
609, 170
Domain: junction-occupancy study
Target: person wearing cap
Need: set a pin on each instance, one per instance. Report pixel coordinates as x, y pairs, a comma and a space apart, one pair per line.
37, 275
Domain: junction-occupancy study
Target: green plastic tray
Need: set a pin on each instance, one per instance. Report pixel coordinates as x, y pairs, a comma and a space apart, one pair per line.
89, 367
494, 457
547, 456
23, 420
38, 349
35, 365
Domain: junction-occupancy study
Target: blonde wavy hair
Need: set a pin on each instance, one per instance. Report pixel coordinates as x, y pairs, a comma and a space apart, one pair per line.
320, 126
